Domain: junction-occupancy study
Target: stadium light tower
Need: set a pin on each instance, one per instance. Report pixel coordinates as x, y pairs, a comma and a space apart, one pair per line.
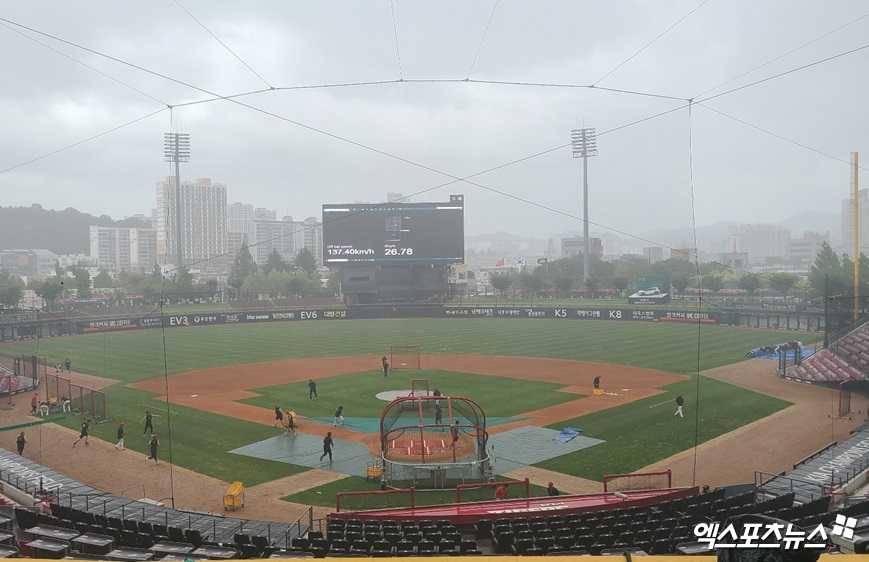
584, 142
176, 149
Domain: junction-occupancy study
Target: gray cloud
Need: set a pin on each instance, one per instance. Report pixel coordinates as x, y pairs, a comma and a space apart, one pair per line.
641, 181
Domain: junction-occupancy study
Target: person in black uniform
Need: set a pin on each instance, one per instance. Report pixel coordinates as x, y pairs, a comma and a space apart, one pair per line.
680, 401
339, 417
454, 433
149, 423
121, 432
327, 446
84, 433
312, 390
552, 490
439, 414
153, 446
597, 382
384, 364
21, 441
279, 416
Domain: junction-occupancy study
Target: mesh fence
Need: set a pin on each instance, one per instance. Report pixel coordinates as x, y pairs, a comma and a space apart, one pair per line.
404, 357
637, 481
433, 442
57, 387
844, 398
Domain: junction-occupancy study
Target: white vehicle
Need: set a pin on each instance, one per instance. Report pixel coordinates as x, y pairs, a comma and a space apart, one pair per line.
649, 291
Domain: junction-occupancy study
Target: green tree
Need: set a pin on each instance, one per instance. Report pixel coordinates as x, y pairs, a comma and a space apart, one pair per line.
749, 283
782, 282
619, 282
564, 282
306, 261
592, 285
276, 263
11, 289
501, 281
242, 267
49, 290
531, 283
680, 282
103, 280
827, 265
82, 282
713, 283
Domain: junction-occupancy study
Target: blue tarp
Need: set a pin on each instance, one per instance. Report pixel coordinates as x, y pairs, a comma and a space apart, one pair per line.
567, 434
764, 353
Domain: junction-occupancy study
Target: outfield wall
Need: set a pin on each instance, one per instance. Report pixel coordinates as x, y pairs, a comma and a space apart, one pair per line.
33, 325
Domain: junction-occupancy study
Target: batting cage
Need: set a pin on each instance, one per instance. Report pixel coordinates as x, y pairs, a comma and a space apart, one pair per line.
433, 442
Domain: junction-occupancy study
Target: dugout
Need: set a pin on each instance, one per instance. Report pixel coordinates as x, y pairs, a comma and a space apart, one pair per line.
425, 452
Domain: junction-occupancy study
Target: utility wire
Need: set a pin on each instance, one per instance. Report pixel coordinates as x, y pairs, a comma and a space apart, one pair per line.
816, 39
395, 34
776, 135
785, 73
73, 145
225, 46
482, 39
100, 72
627, 60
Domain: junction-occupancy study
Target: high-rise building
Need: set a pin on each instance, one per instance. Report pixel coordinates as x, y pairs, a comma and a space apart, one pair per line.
203, 223
129, 249
266, 236
764, 243
309, 234
571, 247
802, 251
654, 254
238, 215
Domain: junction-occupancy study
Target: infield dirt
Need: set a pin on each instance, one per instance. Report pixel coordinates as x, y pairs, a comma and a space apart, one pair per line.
770, 445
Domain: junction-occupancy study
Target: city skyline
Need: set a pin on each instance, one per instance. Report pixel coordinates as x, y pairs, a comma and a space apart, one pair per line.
704, 111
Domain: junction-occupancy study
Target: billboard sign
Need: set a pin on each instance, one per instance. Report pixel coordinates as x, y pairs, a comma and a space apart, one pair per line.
394, 232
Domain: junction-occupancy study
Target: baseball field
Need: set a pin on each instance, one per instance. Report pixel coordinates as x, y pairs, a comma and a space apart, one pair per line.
213, 389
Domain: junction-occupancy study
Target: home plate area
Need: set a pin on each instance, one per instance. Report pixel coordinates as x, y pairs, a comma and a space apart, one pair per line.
418, 447
514, 449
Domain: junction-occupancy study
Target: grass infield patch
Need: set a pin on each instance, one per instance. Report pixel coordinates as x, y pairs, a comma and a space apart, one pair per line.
357, 393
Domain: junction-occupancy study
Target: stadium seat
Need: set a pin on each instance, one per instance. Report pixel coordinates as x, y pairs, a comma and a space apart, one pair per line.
381, 549
128, 539
339, 545
144, 540
249, 551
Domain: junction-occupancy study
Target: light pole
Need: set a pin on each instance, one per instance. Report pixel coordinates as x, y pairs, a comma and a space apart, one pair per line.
584, 142
176, 149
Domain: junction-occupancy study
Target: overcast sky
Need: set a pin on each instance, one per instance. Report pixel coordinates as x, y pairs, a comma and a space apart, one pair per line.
294, 149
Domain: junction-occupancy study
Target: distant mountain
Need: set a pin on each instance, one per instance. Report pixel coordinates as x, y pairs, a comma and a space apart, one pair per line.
62, 232
812, 221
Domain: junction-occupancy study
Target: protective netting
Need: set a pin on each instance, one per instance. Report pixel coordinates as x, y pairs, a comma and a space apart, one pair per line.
404, 357
433, 442
637, 481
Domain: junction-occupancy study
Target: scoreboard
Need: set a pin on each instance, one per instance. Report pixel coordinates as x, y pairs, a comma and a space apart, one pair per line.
395, 232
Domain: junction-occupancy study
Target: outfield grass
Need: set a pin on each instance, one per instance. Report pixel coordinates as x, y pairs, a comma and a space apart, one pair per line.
199, 440
357, 393
643, 432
